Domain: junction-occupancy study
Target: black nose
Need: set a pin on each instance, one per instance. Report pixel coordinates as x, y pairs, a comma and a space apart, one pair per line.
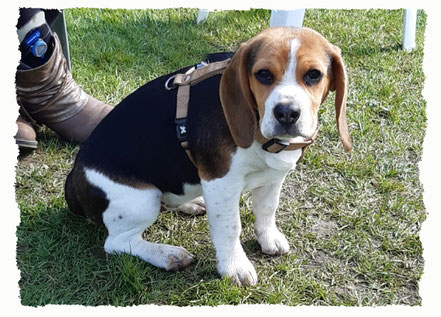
285, 114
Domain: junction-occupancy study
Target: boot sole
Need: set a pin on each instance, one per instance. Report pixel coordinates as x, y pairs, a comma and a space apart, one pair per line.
27, 144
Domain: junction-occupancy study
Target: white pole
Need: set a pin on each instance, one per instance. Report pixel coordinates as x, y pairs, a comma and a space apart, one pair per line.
409, 29
202, 15
287, 18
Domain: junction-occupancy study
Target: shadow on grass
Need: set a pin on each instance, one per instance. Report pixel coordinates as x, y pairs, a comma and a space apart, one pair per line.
62, 261
364, 51
359, 51
156, 38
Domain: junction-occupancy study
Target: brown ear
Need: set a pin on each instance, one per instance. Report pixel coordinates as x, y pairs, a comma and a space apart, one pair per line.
340, 85
237, 100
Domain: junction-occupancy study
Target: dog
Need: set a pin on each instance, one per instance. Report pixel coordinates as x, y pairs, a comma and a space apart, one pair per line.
133, 165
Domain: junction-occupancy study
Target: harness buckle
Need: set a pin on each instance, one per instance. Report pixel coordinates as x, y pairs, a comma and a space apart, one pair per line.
181, 129
274, 146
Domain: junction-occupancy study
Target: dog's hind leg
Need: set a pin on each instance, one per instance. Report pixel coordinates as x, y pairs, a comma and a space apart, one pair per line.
130, 212
194, 207
190, 202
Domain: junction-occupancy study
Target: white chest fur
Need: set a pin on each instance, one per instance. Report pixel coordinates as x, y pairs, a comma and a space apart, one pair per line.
251, 168
262, 172
260, 167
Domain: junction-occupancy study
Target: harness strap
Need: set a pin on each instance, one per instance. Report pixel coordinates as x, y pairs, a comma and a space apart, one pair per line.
181, 118
184, 81
195, 75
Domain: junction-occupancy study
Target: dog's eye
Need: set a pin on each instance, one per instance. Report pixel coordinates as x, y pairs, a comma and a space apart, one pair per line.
264, 76
312, 77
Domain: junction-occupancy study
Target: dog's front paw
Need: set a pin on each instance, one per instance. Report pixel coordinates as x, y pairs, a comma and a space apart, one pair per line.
239, 269
272, 242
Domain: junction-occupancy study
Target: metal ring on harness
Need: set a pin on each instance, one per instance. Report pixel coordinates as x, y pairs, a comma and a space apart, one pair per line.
168, 81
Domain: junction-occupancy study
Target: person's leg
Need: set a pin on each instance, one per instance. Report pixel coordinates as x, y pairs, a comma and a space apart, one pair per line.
46, 91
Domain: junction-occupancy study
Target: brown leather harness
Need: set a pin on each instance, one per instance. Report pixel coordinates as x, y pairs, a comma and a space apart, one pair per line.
195, 75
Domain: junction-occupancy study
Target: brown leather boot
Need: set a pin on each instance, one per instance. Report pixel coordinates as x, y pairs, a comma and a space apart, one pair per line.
25, 137
51, 97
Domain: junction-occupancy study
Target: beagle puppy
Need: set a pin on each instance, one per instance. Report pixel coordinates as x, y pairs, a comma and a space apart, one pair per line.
132, 166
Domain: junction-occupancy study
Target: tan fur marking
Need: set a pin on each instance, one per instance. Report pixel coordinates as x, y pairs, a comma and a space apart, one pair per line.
312, 54
224, 149
272, 56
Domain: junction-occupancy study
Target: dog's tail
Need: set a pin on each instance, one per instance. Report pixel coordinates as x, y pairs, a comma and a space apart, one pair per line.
71, 197
83, 198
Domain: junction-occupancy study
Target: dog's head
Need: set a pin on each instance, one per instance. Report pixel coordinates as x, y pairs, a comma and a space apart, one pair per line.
276, 82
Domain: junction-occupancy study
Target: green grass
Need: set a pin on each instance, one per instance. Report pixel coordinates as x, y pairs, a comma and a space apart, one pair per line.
352, 219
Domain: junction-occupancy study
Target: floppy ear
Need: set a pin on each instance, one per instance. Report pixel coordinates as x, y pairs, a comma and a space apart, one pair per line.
237, 100
340, 85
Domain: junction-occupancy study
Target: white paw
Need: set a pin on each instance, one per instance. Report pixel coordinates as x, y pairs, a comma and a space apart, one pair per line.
165, 256
194, 207
272, 241
177, 258
239, 269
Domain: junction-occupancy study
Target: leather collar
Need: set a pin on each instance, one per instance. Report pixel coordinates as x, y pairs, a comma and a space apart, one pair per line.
275, 145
